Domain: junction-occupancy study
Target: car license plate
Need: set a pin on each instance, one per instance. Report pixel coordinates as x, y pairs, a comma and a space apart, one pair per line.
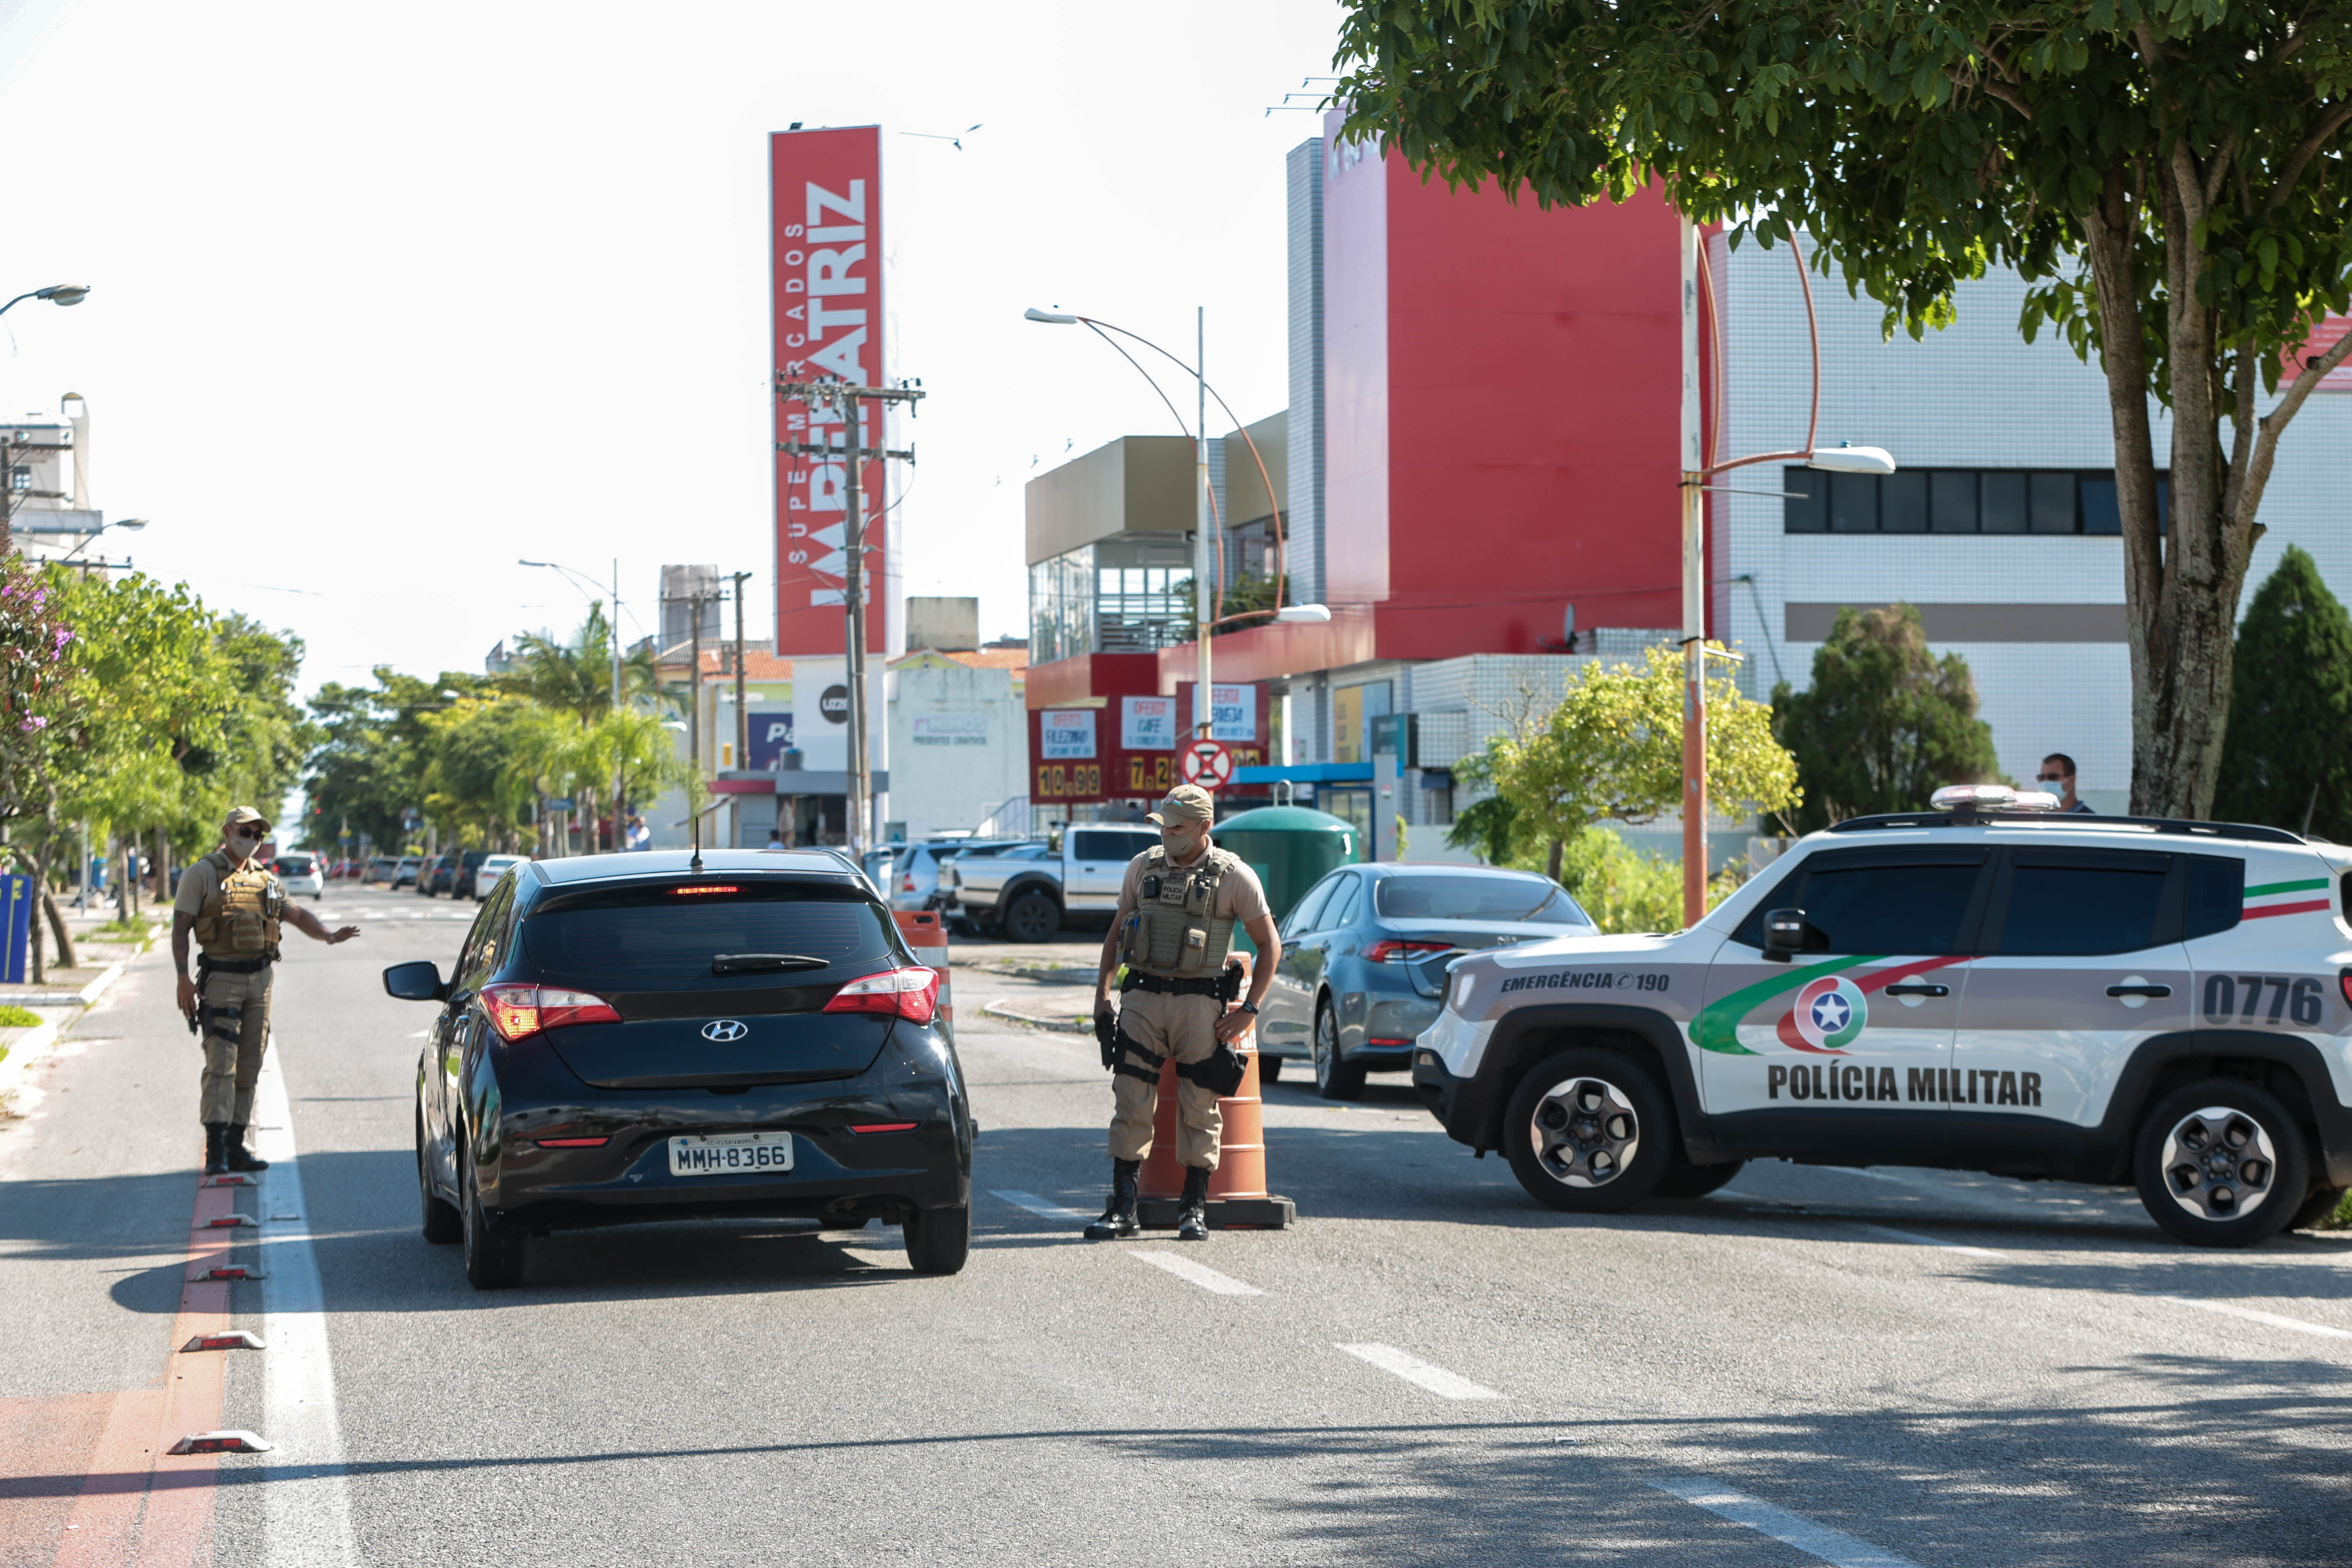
730, 1154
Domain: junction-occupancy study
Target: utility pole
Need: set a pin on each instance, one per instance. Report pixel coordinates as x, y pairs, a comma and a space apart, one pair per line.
694, 687
614, 630
856, 454
742, 720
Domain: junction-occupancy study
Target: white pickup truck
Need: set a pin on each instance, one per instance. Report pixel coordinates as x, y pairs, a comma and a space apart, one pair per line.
1027, 894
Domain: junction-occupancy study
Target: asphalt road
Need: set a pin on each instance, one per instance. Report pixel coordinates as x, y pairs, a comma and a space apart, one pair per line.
1897, 1366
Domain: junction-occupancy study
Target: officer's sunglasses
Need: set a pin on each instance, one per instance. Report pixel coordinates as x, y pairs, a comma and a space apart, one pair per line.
253, 830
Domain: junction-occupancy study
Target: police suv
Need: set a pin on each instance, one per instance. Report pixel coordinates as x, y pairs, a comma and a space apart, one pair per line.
1983, 986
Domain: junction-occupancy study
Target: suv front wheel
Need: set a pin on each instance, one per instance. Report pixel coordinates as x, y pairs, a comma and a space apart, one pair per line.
2222, 1163
1589, 1132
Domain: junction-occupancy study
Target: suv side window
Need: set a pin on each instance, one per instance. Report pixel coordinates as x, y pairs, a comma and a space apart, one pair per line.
2217, 894
1891, 901
2078, 904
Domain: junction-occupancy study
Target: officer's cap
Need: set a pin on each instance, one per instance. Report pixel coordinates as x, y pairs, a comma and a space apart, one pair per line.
242, 814
1185, 802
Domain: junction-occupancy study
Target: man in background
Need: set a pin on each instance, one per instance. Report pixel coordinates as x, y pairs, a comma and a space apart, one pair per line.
2057, 776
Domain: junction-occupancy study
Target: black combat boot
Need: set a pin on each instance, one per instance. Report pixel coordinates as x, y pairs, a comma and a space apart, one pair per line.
239, 1159
1192, 1217
215, 1148
1118, 1214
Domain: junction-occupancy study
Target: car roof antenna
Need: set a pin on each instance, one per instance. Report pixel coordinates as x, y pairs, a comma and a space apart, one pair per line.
695, 865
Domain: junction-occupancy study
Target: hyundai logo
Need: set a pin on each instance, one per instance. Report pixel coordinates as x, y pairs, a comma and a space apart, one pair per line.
725, 1029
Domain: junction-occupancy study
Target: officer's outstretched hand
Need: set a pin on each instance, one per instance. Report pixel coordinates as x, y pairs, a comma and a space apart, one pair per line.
1233, 1024
342, 933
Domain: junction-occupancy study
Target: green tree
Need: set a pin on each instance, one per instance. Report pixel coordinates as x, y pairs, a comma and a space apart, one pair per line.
2290, 708
1612, 750
2169, 174
1886, 723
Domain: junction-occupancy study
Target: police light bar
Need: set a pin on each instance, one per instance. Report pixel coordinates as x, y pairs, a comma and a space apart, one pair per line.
1968, 799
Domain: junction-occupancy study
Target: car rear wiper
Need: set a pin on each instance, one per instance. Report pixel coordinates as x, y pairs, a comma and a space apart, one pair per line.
763, 962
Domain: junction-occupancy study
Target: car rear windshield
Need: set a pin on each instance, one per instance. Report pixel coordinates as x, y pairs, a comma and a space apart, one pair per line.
293, 866
666, 936
1475, 898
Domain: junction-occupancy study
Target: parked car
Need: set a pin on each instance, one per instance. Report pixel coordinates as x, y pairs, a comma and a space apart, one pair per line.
439, 875
1028, 894
2101, 999
493, 867
404, 871
298, 874
379, 868
627, 1037
1364, 955
470, 866
917, 871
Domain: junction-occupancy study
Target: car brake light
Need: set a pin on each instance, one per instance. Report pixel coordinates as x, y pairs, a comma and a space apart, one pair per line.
888, 1127
518, 1010
573, 1142
909, 994
2343, 978
908, 885
1390, 952
705, 888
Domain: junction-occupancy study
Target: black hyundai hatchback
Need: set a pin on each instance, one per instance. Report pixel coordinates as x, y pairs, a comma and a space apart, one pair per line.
642, 1036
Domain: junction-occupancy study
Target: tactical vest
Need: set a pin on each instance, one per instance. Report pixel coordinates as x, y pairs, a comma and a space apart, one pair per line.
1173, 932
242, 923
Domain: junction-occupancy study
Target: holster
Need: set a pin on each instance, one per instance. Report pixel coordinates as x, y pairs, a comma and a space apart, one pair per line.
1229, 982
1107, 1036
1220, 1072
1123, 1047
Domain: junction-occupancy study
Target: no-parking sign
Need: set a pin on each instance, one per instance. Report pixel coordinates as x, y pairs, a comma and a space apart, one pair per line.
1208, 763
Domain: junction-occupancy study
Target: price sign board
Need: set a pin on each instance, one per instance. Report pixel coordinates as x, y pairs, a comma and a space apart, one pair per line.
1208, 764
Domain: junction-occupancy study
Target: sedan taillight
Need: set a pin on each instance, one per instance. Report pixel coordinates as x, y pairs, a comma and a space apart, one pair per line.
1390, 952
909, 994
516, 1011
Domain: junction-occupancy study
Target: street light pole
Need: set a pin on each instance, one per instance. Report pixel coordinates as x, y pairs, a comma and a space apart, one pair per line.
1694, 544
1203, 531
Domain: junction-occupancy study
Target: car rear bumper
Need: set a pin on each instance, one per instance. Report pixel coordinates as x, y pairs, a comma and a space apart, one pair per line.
836, 1174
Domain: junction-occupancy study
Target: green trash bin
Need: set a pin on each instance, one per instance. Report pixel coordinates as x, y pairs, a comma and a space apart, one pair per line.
1290, 848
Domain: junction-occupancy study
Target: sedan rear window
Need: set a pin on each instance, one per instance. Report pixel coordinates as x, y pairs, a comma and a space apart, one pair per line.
1475, 898
293, 866
652, 938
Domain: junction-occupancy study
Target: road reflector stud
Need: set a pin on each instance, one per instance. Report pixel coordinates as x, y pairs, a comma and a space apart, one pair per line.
227, 1340
229, 1222
231, 1179
228, 1271
221, 1443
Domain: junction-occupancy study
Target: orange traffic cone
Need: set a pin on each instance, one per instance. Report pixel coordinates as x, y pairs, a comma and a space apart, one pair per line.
1237, 1196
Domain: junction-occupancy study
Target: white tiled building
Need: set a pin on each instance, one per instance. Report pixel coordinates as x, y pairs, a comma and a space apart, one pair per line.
2037, 616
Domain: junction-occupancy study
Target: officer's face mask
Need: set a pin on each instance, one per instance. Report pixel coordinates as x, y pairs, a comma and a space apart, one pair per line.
243, 840
1179, 839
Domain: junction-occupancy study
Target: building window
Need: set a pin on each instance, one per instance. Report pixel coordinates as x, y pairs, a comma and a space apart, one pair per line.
1960, 501
20, 477
1062, 606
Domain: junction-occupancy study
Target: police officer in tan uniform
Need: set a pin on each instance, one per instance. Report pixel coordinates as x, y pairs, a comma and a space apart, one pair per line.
235, 906
1177, 911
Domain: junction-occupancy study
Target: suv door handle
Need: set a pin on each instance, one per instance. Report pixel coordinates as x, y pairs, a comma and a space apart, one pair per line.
1920, 989
2132, 990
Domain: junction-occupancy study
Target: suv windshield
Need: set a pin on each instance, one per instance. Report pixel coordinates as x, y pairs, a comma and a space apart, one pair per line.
665, 936
1475, 898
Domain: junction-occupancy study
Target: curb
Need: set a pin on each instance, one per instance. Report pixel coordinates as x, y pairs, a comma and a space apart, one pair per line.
37, 1046
1061, 1025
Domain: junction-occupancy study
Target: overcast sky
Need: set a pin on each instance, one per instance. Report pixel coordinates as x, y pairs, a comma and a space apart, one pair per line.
385, 298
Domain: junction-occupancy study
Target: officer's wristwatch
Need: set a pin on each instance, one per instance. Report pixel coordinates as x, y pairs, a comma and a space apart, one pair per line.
1251, 1008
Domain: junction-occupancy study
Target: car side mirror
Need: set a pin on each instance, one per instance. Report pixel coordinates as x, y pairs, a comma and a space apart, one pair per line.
417, 981
1784, 934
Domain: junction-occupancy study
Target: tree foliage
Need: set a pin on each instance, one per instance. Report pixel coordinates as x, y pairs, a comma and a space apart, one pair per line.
1886, 723
2167, 175
2290, 708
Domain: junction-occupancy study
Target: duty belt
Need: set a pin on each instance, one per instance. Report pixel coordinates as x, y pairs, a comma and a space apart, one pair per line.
1168, 985
232, 965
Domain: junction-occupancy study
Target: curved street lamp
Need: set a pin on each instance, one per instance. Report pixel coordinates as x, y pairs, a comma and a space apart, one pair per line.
55, 293
1205, 532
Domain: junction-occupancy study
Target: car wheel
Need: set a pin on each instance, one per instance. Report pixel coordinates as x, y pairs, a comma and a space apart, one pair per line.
1688, 1180
1269, 1069
2316, 1208
1589, 1132
938, 1240
493, 1255
1033, 917
2217, 1161
1335, 1077
443, 1224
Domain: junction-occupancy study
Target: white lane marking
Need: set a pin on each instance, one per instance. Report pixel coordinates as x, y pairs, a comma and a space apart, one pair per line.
1199, 1274
2299, 1325
1039, 1206
1917, 1240
1834, 1546
306, 1513
1412, 1368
